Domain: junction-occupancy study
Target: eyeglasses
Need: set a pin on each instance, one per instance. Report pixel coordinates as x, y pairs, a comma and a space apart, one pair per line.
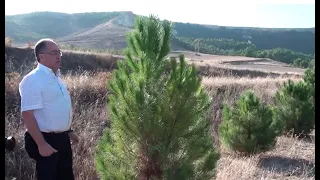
53, 53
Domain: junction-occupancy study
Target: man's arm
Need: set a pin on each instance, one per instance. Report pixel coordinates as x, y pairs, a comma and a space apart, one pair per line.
31, 99
32, 126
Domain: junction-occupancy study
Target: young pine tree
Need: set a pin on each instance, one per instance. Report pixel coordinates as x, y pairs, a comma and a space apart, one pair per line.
158, 119
248, 127
294, 105
309, 77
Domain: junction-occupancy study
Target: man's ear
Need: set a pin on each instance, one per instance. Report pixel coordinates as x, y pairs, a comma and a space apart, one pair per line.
40, 57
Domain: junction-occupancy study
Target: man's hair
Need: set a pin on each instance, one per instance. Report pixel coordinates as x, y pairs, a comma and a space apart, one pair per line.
41, 46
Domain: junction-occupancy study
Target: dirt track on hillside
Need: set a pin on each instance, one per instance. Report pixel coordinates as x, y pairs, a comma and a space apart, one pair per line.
238, 62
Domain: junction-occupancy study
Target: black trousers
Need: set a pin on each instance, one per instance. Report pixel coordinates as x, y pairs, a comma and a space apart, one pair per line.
58, 166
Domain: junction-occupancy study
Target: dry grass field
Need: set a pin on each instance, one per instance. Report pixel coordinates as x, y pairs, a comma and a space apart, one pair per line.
292, 159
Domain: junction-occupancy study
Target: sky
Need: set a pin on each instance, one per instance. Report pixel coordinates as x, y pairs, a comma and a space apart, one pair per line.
245, 13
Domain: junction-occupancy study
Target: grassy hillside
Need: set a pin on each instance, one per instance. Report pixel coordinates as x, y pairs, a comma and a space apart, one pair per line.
20, 33
54, 25
293, 39
70, 28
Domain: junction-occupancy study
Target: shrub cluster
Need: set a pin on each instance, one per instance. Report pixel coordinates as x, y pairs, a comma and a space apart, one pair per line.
252, 127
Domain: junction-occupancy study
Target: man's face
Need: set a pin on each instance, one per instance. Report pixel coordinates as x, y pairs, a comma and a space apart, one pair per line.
51, 57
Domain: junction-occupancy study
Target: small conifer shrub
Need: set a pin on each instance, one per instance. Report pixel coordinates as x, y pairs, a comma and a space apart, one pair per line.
249, 127
294, 104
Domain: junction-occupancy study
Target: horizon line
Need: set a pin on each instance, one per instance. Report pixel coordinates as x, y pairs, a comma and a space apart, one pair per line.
160, 18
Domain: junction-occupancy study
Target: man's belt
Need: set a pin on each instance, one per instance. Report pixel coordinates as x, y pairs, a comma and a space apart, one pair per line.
58, 132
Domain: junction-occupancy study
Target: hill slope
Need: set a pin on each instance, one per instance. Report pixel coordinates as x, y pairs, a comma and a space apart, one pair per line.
106, 35
54, 25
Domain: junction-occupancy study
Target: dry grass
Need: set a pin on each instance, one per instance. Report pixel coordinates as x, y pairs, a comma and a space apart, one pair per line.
89, 92
90, 118
221, 71
291, 159
259, 81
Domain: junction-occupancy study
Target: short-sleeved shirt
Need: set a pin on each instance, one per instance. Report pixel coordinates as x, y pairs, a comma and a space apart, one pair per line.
45, 93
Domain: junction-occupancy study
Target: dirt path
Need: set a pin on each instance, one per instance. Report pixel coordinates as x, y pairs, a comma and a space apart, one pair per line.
238, 62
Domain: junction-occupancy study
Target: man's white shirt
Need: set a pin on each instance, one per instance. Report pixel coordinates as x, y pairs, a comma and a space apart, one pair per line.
45, 93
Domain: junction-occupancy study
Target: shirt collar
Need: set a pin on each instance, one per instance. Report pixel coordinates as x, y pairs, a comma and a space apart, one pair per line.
47, 70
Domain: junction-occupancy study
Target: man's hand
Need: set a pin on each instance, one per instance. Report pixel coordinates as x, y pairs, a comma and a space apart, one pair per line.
46, 149
73, 137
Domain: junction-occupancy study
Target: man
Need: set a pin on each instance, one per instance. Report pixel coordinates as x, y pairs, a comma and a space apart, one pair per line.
47, 114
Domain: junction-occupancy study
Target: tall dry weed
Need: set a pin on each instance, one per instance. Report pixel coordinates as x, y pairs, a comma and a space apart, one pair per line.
8, 42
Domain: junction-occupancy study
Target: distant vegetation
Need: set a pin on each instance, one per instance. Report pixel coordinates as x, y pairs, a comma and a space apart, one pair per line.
293, 39
73, 47
232, 47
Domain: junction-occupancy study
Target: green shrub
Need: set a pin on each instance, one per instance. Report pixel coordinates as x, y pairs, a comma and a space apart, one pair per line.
249, 127
295, 106
159, 128
309, 75
309, 78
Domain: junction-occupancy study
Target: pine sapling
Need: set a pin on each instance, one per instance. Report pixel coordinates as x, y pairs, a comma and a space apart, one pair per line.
158, 107
249, 127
